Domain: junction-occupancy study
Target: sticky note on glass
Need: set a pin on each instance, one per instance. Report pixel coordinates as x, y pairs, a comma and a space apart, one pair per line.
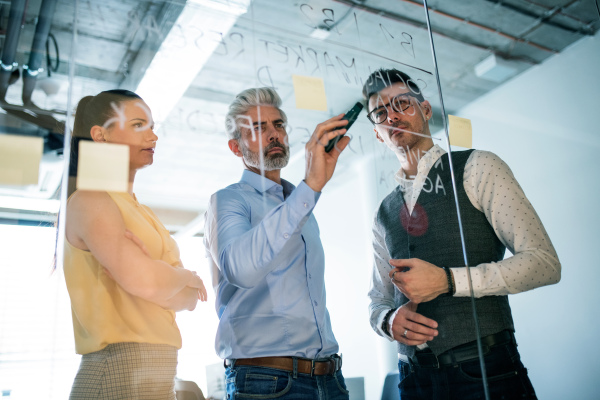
20, 158
103, 166
461, 133
310, 93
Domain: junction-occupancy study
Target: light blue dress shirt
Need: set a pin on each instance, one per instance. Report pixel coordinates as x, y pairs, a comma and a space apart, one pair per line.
268, 266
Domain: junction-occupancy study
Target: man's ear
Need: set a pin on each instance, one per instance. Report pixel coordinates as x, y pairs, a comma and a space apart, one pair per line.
98, 134
234, 146
378, 136
428, 111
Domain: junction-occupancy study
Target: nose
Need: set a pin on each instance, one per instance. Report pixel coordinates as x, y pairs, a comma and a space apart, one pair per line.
272, 133
392, 114
151, 136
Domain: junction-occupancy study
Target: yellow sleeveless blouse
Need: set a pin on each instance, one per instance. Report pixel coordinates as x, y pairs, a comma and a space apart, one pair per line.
104, 313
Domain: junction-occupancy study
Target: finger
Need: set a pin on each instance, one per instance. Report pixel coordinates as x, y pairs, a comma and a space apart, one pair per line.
324, 139
394, 272
339, 147
401, 262
137, 241
411, 338
420, 319
329, 125
202, 295
420, 330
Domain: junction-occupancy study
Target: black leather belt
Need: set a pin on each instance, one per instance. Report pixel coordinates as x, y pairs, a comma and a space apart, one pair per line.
465, 352
327, 366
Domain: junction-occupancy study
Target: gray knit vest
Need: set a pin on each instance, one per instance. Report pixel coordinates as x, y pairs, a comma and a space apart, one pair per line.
431, 233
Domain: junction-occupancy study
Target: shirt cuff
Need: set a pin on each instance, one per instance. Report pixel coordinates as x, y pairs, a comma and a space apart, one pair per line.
461, 281
303, 199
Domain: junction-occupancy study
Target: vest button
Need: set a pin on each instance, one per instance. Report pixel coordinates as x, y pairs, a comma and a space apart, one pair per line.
411, 247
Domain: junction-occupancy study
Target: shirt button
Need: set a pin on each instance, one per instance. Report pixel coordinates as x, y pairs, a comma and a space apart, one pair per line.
316, 304
285, 236
305, 205
309, 276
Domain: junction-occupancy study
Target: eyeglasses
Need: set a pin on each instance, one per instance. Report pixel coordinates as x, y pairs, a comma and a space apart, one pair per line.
399, 103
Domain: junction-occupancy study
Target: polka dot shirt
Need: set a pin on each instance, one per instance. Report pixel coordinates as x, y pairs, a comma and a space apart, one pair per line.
493, 190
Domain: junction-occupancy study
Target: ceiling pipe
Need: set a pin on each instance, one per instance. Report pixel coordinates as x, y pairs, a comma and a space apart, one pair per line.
13, 30
546, 17
404, 19
32, 69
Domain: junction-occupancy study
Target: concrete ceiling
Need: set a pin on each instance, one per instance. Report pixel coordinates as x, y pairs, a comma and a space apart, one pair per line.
117, 40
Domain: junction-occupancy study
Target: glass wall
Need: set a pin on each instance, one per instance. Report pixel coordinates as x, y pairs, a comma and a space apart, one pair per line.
72, 280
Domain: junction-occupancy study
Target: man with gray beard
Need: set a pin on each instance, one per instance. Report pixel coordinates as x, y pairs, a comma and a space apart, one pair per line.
267, 261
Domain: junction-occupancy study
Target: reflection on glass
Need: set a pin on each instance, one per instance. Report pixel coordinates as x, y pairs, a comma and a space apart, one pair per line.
188, 60
122, 268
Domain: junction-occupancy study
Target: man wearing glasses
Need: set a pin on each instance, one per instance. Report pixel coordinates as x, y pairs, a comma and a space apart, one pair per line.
267, 260
420, 291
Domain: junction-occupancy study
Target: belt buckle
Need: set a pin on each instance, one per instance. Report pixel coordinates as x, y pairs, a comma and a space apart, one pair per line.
312, 367
338, 362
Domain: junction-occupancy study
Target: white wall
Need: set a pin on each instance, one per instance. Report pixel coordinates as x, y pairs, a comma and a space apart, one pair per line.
542, 124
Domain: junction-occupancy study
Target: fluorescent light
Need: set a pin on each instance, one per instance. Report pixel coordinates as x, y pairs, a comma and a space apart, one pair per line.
320, 34
185, 50
24, 203
495, 69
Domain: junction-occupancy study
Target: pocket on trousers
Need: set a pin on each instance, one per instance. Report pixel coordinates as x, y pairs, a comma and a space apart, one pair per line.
501, 368
341, 383
405, 372
255, 383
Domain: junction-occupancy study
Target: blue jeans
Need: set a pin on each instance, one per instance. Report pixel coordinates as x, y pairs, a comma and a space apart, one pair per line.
245, 382
506, 376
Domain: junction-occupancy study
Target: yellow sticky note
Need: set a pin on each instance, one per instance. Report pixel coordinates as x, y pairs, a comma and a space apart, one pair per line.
20, 158
103, 166
310, 93
461, 133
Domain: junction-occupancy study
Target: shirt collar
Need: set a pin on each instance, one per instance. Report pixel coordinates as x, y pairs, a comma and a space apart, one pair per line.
425, 163
263, 184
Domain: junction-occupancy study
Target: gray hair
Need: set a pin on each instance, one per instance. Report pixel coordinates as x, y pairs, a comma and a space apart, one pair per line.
247, 99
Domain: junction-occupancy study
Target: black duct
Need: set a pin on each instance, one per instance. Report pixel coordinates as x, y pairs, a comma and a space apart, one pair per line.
38, 49
13, 30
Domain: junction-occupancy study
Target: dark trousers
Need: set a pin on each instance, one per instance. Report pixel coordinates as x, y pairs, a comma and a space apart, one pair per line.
506, 377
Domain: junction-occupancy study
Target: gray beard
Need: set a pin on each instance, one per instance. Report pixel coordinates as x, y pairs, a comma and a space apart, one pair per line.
271, 162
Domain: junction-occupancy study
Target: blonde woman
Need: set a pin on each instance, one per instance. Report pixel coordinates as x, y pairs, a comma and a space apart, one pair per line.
122, 268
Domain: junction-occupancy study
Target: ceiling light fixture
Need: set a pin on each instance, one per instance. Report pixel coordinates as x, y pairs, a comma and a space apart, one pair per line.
495, 69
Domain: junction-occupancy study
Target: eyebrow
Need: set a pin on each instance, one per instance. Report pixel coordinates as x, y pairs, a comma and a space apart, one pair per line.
137, 119
390, 100
264, 122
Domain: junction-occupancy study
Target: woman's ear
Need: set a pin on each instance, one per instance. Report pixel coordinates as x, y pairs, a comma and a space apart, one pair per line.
98, 134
